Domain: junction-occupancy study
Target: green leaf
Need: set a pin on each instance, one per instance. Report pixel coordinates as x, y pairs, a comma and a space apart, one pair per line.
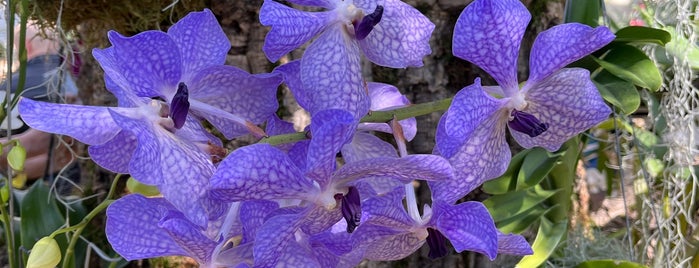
631, 64
642, 34
547, 239
536, 165
561, 179
583, 11
523, 221
505, 183
16, 157
619, 92
610, 264
40, 216
511, 204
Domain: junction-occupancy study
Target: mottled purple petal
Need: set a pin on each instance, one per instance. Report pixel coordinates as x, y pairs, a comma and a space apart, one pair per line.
387, 97
291, 28
387, 244
331, 74
401, 39
330, 130
277, 126
488, 33
258, 171
561, 45
468, 226
201, 42
132, 228
367, 5
406, 169
299, 152
90, 125
148, 63
115, 154
252, 216
318, 219
291, 72
329, 4
252, 97
189, 236
513, 244
569, 102
469, 108
116, 81
367, 146
124, 98
274, 236
484, 156
387, 210
241, 254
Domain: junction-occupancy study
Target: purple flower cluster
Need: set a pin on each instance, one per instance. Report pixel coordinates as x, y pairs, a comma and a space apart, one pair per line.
300, 205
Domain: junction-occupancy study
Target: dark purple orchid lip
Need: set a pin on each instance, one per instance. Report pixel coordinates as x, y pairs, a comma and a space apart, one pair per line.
527, 124
437, 243
364, 27
351, 209
180, 105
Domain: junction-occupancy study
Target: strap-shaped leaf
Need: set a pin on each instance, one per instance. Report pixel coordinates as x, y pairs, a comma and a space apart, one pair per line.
547, 239
509, 205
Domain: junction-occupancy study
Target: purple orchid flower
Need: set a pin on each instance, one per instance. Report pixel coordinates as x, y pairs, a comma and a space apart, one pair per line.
185, 68
139, 228
554, 105
389, 232
389, 33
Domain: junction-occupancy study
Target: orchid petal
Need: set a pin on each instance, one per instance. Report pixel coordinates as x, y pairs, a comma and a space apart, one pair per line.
329, 4
258, 171
146, 64
400, 39
331, 74
513, 244
367, 146
291, 28
331, 129
561, 45
387, 244
387, 210
201, 42
468, 226
251, 97
318, 219
90, 125
484, 156
132, 228
274, 236
488, 33
115, 79
252, 215
291, 72
583, 109
188, 235
405, 169
115, 154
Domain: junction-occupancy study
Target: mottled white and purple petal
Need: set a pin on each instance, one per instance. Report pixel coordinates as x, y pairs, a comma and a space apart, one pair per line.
274, 237
193, 131
401, 39
298, 254
367, 6
405, 169
513, 244
201, 42
488, 33
149, 63
240, 255
484, 156
291, 72
387, 210
366, 146
469, 108
319, 219
115, 154
468, 226
291, 28
330, 130
116, 82
124, 98
259, 171
277, 126
252, 215
299, 152
251, 97
188, 235
132, 228
88, 124
329, 4
387, 97
569, 103
387, 244
561, 45
331, 74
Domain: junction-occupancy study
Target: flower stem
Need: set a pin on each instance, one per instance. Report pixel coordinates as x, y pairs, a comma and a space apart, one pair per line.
375, 117
78, 228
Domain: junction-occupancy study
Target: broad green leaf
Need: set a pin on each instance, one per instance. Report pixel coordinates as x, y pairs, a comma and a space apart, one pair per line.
536, 165
508, 205
507, 181
40, 216
16, 157
561, 179
619, 92
610, 264
523, 221
642, 34
135, 186
547, 239
44, 254
630, 63
584, 11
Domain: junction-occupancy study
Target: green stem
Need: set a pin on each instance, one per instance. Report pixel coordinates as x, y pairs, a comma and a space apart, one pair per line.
8, 230
374, 117
78, 228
